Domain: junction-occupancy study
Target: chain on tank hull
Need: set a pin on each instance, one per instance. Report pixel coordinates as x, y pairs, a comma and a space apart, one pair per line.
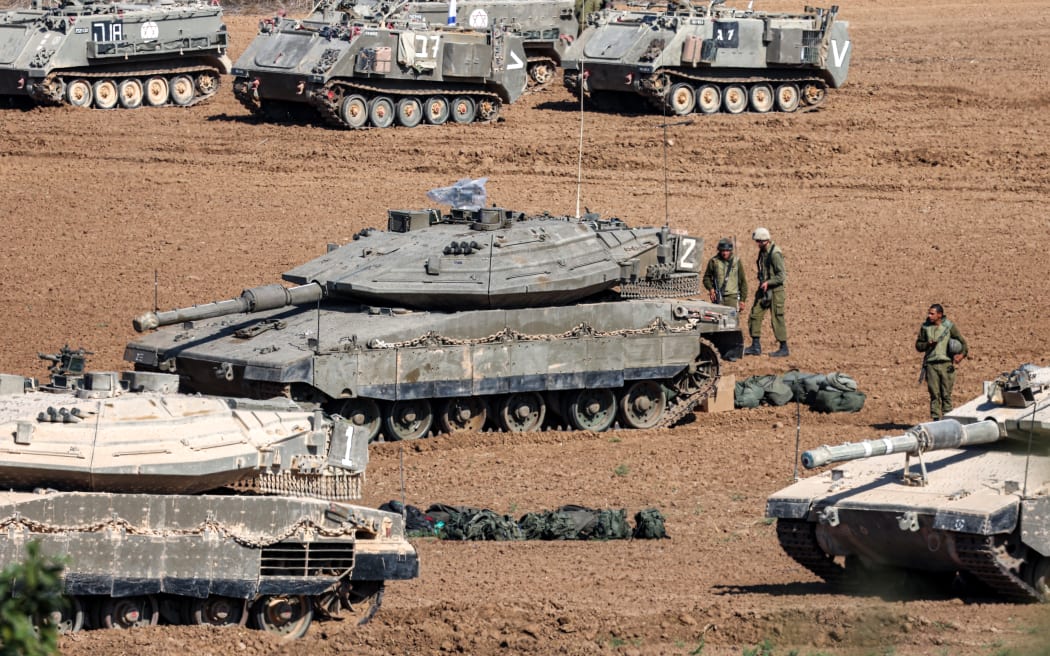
704, 59
968, 495
109, 55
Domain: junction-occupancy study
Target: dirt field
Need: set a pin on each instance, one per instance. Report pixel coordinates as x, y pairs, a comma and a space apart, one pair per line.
924, 180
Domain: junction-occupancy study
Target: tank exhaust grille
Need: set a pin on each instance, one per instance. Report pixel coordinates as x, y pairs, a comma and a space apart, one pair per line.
309, 559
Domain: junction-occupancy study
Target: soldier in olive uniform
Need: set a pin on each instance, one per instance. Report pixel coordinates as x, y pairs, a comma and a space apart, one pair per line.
770, 295
724, 278
944, 347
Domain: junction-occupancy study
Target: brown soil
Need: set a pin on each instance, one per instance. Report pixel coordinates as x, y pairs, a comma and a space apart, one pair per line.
924, 180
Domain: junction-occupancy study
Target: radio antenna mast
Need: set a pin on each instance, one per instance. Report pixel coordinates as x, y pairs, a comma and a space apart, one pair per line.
579, 160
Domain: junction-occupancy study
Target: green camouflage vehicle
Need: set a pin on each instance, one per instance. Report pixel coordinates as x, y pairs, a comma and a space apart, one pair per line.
707, 58
102, 54
456, 321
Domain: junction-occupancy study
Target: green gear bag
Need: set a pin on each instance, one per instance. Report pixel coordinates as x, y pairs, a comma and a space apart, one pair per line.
832, 400
748, 393
649, 525
611, 525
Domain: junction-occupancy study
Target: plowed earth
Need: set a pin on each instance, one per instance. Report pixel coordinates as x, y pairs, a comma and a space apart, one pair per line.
925, 179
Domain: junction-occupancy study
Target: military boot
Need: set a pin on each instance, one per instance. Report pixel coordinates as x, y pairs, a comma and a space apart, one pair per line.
782, 352
755, 348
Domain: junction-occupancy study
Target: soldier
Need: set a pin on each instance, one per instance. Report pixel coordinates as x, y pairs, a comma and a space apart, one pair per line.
944, 347
770, 295
724, 278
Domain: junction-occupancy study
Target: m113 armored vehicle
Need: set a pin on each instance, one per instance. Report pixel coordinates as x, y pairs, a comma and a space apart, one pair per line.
389, 68
452, 320
975, 502
190, 509
708, 58
103, 54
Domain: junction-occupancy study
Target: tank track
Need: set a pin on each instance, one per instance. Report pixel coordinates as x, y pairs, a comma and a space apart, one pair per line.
798, 539
981, 558
49, 90
328, 99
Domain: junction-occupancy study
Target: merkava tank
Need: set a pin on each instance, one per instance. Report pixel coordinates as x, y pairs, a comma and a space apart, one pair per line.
103, 54
190, 509
975, 501
456, 320
389, 68
708, 58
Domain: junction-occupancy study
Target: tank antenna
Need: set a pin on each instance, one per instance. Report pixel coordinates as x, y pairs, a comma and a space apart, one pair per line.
798, 418
1028, 456
401, 471
317, 347
667, 192
156, 284
579, 159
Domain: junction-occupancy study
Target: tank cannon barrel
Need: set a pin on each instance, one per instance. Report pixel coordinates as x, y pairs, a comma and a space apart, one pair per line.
256, 299
929, 436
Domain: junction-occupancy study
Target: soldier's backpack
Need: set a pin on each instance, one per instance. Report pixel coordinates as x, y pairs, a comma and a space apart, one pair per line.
748, 393
489, 525
611, 525
776, 392
416, 521
833, 400
804, 386
649, 525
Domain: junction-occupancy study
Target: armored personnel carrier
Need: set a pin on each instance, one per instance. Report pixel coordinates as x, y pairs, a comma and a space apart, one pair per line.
453, 320
191, 509
975, 501
708, 58
103, 54
389, 68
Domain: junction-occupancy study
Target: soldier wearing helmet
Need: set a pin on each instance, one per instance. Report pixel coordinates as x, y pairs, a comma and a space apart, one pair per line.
770, 295
943, 347
724, 278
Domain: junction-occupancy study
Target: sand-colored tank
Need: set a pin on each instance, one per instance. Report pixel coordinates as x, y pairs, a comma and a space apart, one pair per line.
191, 509
968, 495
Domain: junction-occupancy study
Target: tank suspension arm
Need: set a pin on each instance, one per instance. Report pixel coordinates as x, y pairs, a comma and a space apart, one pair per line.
930, 436
256, 299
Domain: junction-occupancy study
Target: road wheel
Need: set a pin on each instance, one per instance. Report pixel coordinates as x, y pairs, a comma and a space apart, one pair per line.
182, 90
734, 99
813, 94
156, 91
68, 620
522, 412
408, 420
105, 92
381, 112
592, 409
354, 111
216, 610
288, 616
682, 99
78, 93
409, 112
788, 97
708, 99
541, 73
436, 110
130, 93
128, 612
643, 404
463, 110
362, 414
762, 98
207, 83
488, 110
467, 414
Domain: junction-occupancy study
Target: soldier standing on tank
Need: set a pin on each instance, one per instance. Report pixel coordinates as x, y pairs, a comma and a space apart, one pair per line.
944, 347
770, 295
724, 278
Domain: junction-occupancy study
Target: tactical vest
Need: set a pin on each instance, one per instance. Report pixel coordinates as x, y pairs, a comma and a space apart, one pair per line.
941, 335
731, 277
765, 263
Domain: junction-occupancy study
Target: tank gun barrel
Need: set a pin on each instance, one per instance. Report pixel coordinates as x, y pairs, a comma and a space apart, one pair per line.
256, 299
929, 436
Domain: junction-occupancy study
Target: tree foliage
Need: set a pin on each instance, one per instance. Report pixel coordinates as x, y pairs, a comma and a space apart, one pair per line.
30, 594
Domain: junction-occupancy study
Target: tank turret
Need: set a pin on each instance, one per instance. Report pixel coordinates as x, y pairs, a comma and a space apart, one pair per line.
979, 504
488, 314
191, 509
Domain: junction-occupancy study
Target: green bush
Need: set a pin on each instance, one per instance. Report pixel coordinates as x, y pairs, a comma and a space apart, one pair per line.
29, 591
